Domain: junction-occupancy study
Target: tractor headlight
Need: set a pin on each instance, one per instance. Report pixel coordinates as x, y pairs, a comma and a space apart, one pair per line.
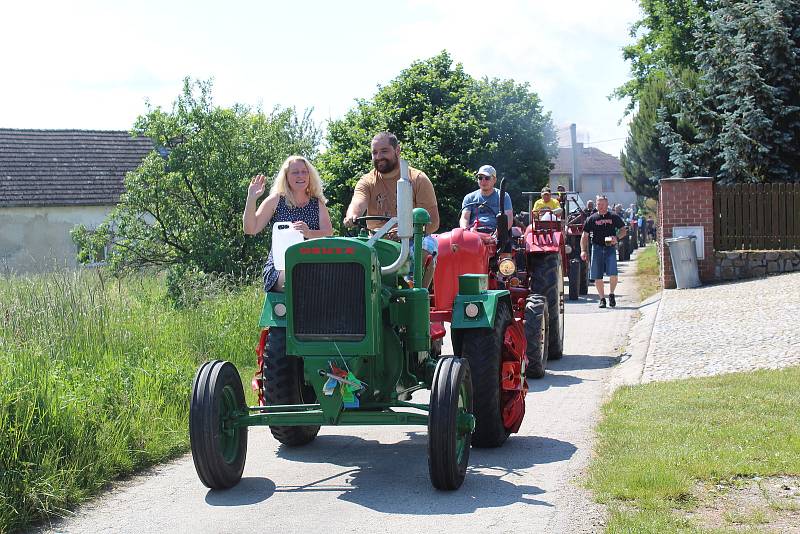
507, 267
568, 249
471, 310
279, 309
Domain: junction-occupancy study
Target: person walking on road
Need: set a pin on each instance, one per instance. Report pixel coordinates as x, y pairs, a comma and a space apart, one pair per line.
606, 229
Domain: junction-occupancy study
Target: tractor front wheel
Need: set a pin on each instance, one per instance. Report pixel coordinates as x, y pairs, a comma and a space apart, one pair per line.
450, 423
219, 446
284, 384
483, 347
536, 335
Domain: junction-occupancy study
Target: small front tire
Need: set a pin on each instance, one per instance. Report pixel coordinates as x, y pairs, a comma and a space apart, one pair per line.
219, 447
450, 423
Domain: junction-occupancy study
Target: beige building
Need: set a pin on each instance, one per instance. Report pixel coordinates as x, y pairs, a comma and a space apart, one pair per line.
53, 180
596, 173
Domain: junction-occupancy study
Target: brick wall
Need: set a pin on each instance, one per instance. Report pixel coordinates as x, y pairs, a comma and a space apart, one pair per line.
686, 202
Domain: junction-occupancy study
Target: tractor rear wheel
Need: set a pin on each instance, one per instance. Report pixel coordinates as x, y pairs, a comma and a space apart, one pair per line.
547, 280
219, 447
483, 348
450, 423
536, 336
284, 384
584, 287
574, 279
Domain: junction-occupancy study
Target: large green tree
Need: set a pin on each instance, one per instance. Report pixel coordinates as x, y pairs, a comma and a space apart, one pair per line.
665, 38
645, 159
182, 206
449, 124
746, 110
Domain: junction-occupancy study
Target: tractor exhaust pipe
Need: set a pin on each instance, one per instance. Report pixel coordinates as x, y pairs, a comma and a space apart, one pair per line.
502, 218
405, 223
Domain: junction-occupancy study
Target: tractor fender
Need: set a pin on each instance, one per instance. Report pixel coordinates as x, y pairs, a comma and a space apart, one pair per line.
486, 302
270, 313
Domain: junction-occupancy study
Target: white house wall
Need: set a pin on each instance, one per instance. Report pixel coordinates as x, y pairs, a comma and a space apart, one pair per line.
37, 239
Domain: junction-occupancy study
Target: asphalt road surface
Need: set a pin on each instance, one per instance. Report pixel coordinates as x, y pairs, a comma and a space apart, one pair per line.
375, 479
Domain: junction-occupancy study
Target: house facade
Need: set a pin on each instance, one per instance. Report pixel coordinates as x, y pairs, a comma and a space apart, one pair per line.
596, 173
53, 180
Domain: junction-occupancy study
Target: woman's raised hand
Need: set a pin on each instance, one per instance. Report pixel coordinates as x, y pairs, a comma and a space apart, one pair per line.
257, 186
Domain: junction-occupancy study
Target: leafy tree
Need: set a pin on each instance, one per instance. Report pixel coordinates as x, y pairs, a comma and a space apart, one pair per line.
449, 124
665, 39
182, 207
746, 111
645, 159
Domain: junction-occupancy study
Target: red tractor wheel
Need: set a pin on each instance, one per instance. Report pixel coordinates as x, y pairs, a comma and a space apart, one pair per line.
547, 280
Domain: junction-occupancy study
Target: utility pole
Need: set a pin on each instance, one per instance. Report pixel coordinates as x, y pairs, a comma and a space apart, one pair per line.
574, 138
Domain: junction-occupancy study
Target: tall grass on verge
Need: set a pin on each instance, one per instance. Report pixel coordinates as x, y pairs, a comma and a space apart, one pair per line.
95, 380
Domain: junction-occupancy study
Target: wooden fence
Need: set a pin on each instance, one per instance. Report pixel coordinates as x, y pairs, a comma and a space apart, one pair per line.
757, 217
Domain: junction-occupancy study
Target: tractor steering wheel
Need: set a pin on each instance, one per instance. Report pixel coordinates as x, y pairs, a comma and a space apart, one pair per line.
361, 222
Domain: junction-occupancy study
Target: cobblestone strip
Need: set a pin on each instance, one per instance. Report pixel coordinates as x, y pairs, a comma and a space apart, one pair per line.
739, 326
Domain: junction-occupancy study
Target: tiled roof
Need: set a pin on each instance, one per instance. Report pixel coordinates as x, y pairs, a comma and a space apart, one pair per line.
66, 167
590, 161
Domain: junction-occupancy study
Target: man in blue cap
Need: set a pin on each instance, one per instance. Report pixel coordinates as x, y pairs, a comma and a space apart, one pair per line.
484, 204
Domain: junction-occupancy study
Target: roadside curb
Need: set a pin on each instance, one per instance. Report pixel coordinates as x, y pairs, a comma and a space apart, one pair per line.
630, 370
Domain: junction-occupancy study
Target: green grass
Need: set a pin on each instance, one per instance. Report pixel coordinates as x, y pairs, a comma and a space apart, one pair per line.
647, 271
95, 378
657, 440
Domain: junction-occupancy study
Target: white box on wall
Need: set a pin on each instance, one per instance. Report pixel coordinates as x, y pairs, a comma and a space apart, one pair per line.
698, 232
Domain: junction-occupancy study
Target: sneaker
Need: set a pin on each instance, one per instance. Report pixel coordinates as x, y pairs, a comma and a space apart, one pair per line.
612, 300
602, 303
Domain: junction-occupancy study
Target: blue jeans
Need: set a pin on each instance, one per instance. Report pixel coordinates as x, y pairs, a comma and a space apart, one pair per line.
604, 261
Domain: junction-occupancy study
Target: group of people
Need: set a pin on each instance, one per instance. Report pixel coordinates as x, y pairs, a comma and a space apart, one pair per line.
296, 197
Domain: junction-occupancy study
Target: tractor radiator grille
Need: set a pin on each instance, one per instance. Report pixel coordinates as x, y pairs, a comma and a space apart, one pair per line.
328, 301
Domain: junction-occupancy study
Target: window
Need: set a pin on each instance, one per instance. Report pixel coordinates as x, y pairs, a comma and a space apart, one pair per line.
608, 184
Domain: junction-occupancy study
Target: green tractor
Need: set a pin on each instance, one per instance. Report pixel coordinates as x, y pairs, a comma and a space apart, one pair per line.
347, 344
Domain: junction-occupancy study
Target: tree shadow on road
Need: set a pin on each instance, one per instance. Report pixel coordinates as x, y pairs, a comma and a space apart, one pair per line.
393, 478
577, 362
551, 380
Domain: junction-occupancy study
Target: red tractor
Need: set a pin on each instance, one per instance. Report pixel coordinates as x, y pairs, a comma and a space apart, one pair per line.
529, 264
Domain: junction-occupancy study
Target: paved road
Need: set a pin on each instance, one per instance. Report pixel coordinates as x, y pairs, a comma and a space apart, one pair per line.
375, 479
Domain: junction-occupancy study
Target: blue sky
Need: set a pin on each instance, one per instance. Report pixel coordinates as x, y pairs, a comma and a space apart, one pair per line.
91, 65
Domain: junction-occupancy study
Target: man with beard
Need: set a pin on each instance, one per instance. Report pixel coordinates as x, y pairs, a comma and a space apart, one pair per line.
376, 194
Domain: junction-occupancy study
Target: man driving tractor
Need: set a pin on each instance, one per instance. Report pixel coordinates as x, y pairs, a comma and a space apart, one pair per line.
484, 204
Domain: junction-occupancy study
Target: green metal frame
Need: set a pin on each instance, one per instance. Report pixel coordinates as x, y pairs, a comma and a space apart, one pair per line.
472, 290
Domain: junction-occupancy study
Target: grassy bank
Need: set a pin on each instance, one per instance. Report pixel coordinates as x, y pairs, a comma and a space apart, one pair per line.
658, 441
95, 378
647, 271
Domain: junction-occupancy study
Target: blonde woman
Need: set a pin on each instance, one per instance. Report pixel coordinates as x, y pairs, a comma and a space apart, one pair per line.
295, 197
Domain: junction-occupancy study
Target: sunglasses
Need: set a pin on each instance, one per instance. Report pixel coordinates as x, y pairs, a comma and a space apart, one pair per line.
482, 177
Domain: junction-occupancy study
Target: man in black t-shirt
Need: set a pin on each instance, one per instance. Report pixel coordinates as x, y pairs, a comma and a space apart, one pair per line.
606, 229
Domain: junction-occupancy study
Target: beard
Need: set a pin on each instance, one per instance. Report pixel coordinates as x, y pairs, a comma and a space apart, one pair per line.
384, 165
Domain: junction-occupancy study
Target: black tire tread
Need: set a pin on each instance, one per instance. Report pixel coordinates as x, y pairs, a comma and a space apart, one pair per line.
446, 472
536, 311
284, 384
544, 276
211, 467
482, 347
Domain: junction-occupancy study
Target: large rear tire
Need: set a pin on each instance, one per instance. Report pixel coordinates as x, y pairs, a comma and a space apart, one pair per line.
584, 288
284, 384
574, 279
547, 280
450, 423
219, 448
483, 348
536, 335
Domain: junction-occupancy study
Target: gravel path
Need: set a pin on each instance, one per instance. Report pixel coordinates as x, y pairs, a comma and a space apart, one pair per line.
726, 328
